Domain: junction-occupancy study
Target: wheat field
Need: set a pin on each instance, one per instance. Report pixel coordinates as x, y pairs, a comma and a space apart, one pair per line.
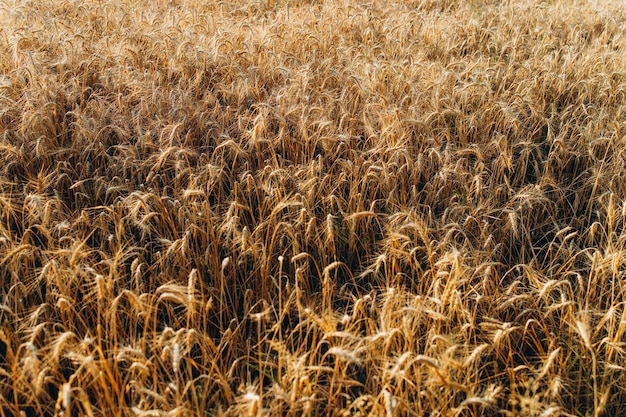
312, 207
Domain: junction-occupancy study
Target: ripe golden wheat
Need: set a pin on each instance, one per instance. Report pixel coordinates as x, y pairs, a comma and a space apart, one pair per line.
312, 208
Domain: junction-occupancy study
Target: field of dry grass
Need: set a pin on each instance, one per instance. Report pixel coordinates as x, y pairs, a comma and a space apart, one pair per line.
301, 207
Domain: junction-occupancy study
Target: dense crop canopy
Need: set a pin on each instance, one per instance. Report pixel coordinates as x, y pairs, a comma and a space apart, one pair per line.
330, 207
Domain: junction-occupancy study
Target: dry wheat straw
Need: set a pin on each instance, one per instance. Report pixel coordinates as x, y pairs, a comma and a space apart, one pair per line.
312, 207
